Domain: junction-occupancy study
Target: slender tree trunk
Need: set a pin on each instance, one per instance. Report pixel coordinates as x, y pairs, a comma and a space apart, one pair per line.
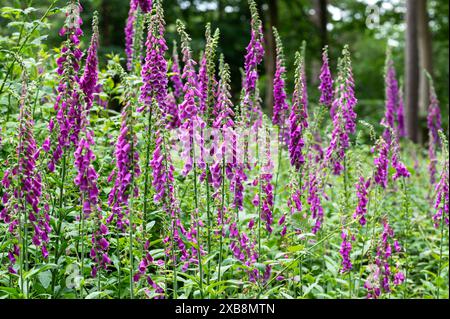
412, 71
425, 62
321, 18
270, 60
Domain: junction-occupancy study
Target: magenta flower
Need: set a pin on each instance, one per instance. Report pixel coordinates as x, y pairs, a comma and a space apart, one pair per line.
145, 5
280, 105
298, 119
154, 71
67, 105
253, 57
126, 166
223, 111
362, 192
129, 33
346, 249
314, 201
392, 99
23, 187
88, 82
434, 126
441, 203
382, 164
342, 113
326, 81
382, 273
86, 178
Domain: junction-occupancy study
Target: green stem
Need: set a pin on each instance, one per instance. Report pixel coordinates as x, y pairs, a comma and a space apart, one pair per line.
280, 152
219, 277
199, 253
146, 181
60, 217
440, 255
209, 222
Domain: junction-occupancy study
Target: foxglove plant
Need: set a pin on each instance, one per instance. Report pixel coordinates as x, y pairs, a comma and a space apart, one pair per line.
145, 5
392, 99
190, 121
154, 71
326, 81
67, 103
253, 57
434, 126
362, 192
88, 81
441, 204
314, 201
382, 164
383, 275
345, 250
298, 119
130, 32
126, 164
23, 190
223, 111
280, 105
342, 113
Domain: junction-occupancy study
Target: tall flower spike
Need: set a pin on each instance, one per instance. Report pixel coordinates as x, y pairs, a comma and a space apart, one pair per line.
145, 5
126, 161
442, 195
342, 113
129, 32
392, 98
434, 126
23, 186
280, 106
67, 106
154, 72
223, 112
298, 119
362, 192
382, 164
382, 273
212, 41
253, 57
88, 82
326, 81
188, 107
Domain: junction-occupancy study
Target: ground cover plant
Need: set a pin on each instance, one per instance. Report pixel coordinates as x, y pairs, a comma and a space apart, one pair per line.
185, 191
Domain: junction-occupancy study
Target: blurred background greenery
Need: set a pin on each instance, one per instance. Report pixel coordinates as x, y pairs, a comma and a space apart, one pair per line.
319, 22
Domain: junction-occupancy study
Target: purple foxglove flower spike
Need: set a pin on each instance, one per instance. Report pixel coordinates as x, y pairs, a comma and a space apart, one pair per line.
154, 71
253, 57
280, 106
298, 119
129, 33
434, 126
326, 81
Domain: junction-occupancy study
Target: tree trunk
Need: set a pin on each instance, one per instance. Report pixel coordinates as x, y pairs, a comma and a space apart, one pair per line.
412, 71
425, 62
322, 20
270, 60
